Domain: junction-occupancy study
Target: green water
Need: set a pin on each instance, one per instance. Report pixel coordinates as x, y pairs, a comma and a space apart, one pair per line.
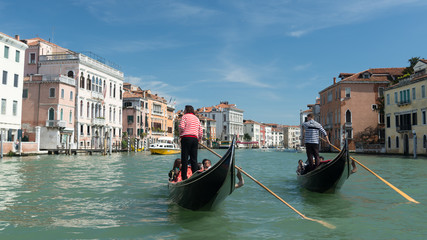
125, 196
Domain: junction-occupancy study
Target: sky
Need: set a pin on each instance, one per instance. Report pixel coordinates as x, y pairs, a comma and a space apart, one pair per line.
269, 57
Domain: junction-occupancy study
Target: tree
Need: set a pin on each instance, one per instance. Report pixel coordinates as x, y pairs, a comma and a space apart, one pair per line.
412, 62
247, 137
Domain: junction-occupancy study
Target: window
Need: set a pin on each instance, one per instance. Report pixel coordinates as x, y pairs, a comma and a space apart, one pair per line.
81, 129
347, 92
81, 108
62, 114
414, 118
397, 142
425, 141
413, 94
395, 98
17, 56
25, 93
71, 116
423, 91
388, 121
6, 52
32, 58
51, 115
82, 81
15, 108
225, 117
389, 142
348, 116
62, 93
130, 119
88, 131
15, 80
423, 116
3, 106
330, 96
388, 99
130, 131
71, 95
52, 92
4, 81
396, 120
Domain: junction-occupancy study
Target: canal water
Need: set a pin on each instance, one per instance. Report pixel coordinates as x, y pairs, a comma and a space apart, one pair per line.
125, 196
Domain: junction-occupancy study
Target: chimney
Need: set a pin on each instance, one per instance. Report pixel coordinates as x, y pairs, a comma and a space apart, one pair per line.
17, 37
335, 80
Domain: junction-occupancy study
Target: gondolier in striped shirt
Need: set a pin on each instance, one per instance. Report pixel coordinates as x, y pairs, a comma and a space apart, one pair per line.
190, 132
310, 134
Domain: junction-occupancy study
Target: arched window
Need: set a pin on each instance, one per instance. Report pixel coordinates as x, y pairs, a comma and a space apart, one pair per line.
120, 92
62, 114
70, 74
397, 142
70, 120
111, 88
88, 82
100, 85
93, 83
389, 142
114, 91
82, 81
348, 116
51, 114
103, 112
110, 112
81, 108
88, 110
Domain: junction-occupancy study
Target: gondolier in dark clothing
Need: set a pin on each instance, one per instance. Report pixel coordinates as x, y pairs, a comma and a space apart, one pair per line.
190, 132
310, 134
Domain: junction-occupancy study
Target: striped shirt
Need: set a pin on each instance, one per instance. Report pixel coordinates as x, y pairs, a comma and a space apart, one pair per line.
190, 126
312, 129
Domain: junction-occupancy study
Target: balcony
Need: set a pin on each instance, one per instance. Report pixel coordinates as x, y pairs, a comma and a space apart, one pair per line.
98, 121
348, 125
56, 123
404, 128
97, 95
404, 102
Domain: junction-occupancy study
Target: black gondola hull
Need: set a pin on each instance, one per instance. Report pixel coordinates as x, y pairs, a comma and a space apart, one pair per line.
204, 191
327, 177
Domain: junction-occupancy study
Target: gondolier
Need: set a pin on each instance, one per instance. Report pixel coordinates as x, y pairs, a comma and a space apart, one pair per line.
190, 132
310, 134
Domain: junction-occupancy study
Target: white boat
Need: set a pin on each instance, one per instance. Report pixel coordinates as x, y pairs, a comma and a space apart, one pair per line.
165, 145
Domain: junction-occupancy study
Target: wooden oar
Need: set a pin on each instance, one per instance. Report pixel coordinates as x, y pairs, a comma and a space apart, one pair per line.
328, 225
376, 175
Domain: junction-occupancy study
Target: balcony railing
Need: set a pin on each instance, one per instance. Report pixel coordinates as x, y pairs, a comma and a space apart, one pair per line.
404, 102
98, 121
56, 123
97, 95
348, 125
402, 128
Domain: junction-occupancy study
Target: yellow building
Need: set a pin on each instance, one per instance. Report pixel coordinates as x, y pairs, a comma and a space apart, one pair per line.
405, 106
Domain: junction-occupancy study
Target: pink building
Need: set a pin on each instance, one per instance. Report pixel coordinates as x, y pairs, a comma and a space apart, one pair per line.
51, 105
353, 104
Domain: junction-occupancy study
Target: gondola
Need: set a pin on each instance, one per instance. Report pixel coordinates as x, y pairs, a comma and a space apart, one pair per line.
205, 190
329, 176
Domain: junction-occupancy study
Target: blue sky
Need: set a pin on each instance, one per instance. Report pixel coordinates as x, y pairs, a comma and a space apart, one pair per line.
269, 57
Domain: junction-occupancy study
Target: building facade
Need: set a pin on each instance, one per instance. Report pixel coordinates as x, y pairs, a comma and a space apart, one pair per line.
291, 136
405, 113
98, 90
228, 119
351, 106
12, 74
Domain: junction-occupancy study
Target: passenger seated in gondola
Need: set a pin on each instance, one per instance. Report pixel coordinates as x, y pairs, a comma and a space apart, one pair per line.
206, 164
302, 167
173, 174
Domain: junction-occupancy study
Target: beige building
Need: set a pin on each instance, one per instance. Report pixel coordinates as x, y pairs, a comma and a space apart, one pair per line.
291, 136
405, 113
